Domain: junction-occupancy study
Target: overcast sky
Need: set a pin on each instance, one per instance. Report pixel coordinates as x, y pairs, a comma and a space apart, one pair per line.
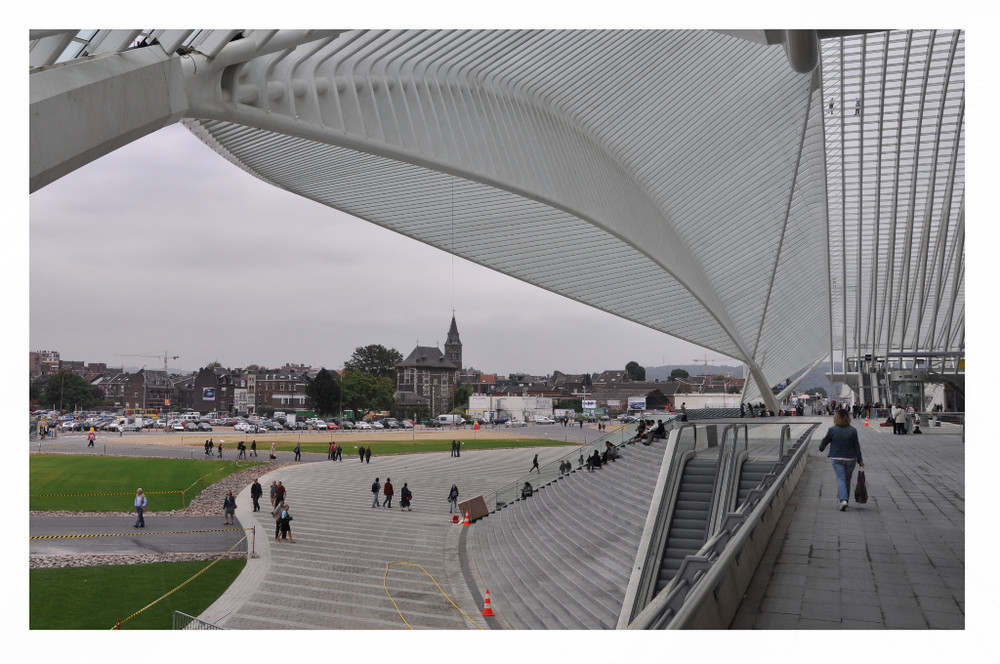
164, 246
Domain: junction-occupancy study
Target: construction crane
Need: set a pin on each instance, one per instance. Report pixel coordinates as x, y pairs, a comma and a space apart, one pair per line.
166, 356
706, 361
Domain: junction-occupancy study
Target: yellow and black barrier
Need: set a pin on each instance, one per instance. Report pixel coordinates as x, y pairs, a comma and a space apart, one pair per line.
117, 493
138, 534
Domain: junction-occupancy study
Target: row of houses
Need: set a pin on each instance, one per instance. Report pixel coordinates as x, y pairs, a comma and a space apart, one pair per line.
426, 381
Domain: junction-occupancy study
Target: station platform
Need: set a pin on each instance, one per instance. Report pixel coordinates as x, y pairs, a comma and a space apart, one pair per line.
895, 562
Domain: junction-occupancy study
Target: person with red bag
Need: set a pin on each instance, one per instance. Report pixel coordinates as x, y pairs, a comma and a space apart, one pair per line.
845, 452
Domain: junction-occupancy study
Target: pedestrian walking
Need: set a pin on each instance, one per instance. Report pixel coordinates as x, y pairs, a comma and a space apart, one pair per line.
279, 493
845, 452
534, 465
340, 452
253, 448
273, 455
140, 507
256, 491
90, 438
274, 492
276, 513
368, 454
375, 489
331, 453
285, 523
388, 492
229, 508
220, 449
207, 449
298, 452
452, 499
361, 453
458, 448
453, 448
404, 498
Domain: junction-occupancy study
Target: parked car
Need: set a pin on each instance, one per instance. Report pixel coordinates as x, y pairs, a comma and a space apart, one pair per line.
501, 420
299, 424
406, 424
332, 425
377, 425
190, 426
516, 423
544, 420
204, 426
177, 426
347, 424
319, 425
363, 425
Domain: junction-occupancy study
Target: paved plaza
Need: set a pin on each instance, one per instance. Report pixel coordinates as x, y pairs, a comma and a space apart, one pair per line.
896, 562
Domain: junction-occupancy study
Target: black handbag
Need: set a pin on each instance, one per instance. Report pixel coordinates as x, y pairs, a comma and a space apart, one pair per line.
861, 489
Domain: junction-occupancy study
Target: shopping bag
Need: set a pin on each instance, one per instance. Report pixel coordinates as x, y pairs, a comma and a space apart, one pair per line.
861, 489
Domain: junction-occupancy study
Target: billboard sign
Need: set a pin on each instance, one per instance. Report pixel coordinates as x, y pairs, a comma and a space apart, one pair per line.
637, 403
208, 394
589, 404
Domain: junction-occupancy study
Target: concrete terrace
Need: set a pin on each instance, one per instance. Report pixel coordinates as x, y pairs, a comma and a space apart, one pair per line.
897, 562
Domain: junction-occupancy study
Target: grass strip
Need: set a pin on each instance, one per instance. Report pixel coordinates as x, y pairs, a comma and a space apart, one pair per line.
100, 484
95, 597
414, 446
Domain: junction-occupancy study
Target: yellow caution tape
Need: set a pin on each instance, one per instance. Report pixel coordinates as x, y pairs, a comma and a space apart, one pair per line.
121, 493
397, 562
135, 534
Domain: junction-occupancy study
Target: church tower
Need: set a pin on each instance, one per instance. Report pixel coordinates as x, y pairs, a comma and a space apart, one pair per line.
453, 346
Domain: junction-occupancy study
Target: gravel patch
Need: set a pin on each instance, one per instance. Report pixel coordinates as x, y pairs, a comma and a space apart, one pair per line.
40, 562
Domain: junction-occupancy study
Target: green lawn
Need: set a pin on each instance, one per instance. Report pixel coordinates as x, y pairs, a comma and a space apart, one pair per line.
408, 446
65, 482
95, 597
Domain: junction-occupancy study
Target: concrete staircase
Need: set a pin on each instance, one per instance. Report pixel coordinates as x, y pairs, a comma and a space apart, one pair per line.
562, 558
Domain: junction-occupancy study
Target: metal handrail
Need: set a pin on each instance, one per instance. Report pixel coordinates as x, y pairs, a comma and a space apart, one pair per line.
731, 477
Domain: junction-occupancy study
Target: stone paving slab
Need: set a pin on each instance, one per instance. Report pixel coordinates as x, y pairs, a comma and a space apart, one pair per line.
896, 562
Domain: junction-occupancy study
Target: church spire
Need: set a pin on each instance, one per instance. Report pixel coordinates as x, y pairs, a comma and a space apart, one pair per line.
453, 345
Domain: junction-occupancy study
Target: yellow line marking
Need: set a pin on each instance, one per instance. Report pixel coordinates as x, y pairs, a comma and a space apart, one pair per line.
385, 587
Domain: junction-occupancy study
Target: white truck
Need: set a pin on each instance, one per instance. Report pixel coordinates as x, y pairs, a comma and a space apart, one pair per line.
450, 418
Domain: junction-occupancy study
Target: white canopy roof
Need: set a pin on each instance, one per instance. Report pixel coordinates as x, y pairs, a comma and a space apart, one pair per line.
691, 181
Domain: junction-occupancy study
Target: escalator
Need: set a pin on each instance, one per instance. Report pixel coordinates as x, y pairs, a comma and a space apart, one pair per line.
688, 529
751, 475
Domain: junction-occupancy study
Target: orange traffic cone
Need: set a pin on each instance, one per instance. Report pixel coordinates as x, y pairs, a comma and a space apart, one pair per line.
466, 519
487, 606
866, 421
